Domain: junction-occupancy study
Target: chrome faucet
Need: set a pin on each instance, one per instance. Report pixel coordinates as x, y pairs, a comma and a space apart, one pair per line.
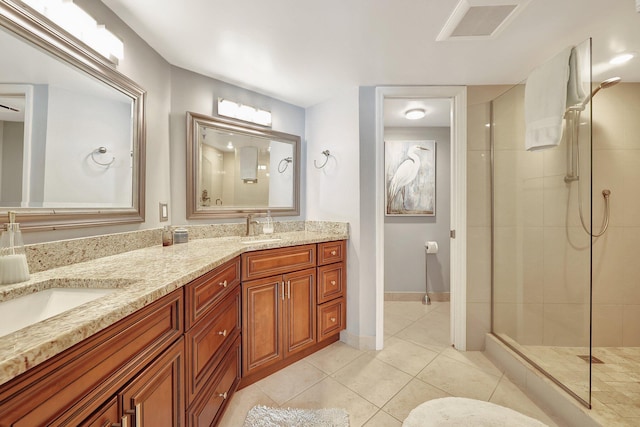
250, 223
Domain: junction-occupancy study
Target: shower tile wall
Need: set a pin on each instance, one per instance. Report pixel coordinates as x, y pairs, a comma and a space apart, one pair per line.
542, 253
479, 213
541, 282
616, 166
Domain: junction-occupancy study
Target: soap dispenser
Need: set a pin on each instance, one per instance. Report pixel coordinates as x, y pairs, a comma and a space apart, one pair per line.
13, 259
267, 227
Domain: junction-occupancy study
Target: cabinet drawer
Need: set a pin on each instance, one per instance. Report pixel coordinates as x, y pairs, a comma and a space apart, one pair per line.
332, 318
204, 292
271, 262
330, 252
108, 415
208, 340
332, 281
209, 407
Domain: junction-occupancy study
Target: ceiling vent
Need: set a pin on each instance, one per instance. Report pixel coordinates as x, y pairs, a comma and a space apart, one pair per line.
480, 19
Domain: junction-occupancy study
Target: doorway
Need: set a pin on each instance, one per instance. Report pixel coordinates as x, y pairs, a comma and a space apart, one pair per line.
456, 96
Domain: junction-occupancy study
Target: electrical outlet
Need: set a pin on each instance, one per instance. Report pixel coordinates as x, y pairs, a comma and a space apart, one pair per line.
164, 212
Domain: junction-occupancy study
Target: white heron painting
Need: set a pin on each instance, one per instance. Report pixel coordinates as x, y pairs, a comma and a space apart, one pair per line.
410, 177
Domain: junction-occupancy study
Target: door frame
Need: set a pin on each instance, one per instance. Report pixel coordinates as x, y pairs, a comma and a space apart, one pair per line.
458, 256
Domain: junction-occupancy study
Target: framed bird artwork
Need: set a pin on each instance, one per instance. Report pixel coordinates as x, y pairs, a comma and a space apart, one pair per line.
410, 178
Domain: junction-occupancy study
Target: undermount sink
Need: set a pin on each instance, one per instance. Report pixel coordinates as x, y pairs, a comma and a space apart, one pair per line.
26, 310
253, 241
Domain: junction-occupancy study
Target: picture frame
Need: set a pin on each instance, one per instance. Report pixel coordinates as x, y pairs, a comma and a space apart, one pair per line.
410, 178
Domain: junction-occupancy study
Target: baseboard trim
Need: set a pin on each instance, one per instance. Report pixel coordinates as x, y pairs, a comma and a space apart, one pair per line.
360, 342
417, 296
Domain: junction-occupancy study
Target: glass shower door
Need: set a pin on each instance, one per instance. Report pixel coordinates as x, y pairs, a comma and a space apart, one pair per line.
541, 287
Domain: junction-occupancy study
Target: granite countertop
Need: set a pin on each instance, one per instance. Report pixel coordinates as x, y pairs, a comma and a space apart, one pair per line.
140, 276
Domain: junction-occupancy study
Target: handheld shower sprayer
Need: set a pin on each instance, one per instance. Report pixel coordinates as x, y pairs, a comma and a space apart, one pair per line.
572, 116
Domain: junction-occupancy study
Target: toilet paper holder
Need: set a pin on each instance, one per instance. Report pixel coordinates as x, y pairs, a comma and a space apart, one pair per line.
431, 247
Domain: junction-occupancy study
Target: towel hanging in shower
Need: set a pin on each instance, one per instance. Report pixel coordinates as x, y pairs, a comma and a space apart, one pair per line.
545, 100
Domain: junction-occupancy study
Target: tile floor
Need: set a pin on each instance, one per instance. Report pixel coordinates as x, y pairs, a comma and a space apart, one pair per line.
379, 388
615, 396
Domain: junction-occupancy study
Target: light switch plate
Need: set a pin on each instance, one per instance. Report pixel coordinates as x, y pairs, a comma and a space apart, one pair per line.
164, 212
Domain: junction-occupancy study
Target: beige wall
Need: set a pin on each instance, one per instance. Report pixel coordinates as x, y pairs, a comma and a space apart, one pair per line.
616, 166
479, 213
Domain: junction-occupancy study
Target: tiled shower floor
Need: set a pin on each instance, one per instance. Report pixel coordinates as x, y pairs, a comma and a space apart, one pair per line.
615, 395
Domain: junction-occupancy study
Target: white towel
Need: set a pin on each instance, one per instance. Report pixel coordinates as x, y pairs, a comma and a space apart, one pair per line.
545, 100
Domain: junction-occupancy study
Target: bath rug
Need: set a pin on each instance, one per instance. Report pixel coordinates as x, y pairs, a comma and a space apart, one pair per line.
264, 416
463, 412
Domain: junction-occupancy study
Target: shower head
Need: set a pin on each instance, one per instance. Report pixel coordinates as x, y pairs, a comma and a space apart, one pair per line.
604, 85
610, 82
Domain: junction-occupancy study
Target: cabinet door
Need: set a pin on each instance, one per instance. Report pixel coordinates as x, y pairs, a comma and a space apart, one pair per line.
300, 314
156, 398
262, 341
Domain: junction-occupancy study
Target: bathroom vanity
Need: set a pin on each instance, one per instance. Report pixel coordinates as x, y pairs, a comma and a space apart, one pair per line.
232, 313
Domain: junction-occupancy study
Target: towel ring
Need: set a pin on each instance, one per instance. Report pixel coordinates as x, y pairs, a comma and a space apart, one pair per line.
326, 159
101, 150
286, 161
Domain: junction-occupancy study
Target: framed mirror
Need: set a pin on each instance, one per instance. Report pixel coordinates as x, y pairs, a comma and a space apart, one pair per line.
234, 169
72, 130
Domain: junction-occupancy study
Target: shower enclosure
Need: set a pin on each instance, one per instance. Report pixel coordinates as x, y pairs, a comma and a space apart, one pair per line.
566, 225
541, 279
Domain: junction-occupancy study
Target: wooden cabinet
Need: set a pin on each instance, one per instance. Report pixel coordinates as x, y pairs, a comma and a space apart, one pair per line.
155, 397
332, 289
78, 386
286, 313
278, 318
213, 312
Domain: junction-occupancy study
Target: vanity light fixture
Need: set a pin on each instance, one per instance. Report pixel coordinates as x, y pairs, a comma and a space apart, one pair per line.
230, 145
81, 25
247, 113
622, 58
415, 113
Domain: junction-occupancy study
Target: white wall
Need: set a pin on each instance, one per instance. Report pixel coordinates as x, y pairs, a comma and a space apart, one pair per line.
334, 195
404, 236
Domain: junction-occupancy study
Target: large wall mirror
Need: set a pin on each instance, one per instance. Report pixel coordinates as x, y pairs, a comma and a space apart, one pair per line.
72, 132
234, 169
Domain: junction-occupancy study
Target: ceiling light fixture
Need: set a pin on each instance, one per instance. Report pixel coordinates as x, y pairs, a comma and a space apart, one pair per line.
622, 58
415, 113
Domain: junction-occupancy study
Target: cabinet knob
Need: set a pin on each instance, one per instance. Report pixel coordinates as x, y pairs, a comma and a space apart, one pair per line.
333, 320
333, 283
223, 284
334, 253
223, 395
223, 333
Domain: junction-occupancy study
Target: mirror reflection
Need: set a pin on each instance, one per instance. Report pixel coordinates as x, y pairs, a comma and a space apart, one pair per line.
71, 132
238, 168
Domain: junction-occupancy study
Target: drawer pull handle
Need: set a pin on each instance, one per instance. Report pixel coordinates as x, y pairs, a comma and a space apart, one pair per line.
333, 283
124, 421
333, 320
283, 290
334, 253
223, 395
223, 284
289, 289
223, 333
